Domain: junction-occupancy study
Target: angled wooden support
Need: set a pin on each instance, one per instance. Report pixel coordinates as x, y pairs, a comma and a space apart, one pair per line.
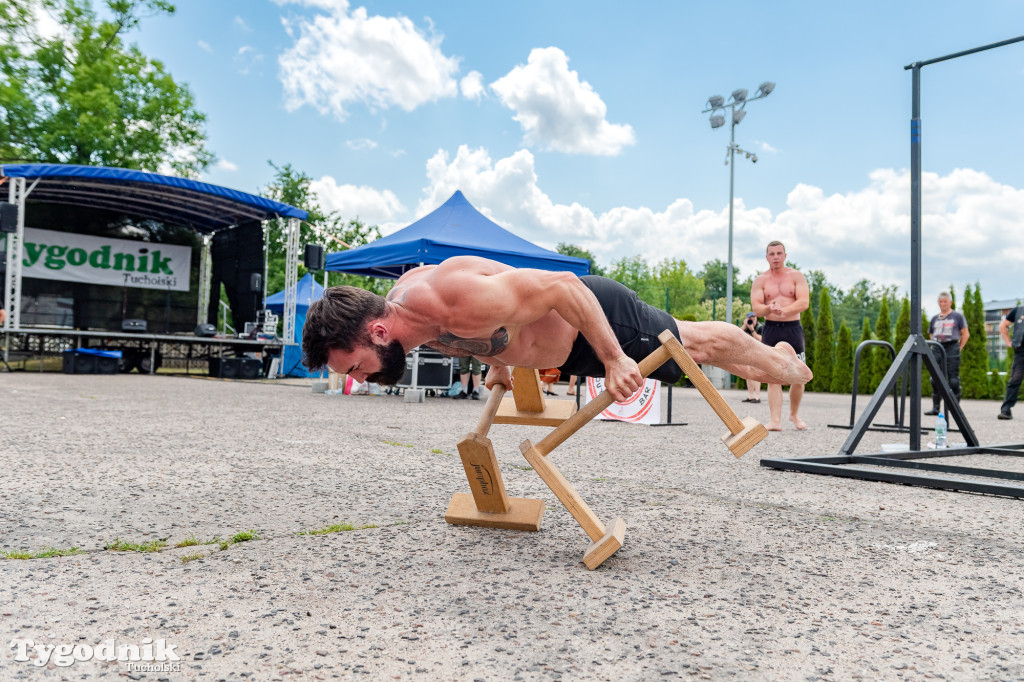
743, 434
489, 505
527, 404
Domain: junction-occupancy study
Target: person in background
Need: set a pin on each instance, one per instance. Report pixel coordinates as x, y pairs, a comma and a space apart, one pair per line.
780, 294
469, 365
3, 314
751, 327
1016, 342
950, 329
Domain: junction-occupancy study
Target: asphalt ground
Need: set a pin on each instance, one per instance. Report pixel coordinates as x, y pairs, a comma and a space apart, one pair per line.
729, 570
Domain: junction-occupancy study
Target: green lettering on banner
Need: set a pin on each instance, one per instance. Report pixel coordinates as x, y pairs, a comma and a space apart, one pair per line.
160, 264
55, 257
34, 251
77, 257
143, 263
100, 258
124, 261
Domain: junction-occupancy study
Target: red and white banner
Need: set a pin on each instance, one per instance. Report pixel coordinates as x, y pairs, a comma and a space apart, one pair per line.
643, 407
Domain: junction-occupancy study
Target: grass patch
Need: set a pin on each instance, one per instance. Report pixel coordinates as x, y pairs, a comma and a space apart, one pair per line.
245, 536
192, 557
337, 528
521, 467
50, 552
395, 442
16, 554
191, 541
439, 451
119, 545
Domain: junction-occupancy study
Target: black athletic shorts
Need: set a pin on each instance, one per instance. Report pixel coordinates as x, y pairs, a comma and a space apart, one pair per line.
636, 325
790, 332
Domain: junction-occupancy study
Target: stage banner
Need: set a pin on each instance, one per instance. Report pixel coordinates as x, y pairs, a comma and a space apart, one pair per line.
643, 407
101, 260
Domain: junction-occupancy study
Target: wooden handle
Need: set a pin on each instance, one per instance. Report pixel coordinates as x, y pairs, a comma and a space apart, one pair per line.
701, 382
596, 406
490, 409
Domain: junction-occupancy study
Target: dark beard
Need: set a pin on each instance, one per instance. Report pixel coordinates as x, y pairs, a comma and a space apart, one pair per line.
392, 364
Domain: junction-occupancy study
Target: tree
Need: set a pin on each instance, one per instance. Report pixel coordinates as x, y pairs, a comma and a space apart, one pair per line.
864, 368
952, 296
291, 186
82, 96
824, 344
683, 289
807, 322
926, 376
715, 274
567, 249
901, 335
974, 360
842, 377
881, 359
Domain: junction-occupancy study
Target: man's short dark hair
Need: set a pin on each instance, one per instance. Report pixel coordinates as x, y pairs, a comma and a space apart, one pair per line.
775, 242
338, 320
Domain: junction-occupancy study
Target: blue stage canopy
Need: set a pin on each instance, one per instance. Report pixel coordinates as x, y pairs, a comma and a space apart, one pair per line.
456, 228
200, 205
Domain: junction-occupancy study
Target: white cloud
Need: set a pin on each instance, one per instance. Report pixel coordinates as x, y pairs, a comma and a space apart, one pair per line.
225, 165
765, 147
363, 144
967, 224
373, 207
247, 58
472, 86
204, 46
346, 56
240, 23
556, 110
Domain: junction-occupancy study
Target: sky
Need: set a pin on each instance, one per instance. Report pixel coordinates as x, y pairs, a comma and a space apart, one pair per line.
581, 122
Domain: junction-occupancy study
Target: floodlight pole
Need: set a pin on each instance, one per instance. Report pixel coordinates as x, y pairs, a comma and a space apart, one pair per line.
731, 106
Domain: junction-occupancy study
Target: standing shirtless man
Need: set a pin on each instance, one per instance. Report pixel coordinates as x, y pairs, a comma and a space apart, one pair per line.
507, 317
780, 294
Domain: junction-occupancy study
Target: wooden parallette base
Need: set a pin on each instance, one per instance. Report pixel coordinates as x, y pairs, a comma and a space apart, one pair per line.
523, 513
606, 546
555, 412
753, 433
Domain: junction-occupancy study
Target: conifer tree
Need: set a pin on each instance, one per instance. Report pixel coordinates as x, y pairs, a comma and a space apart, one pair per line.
882, 359
974, 357
807, 322
901, 334
842, 375
926, 376
824, 345
864, 370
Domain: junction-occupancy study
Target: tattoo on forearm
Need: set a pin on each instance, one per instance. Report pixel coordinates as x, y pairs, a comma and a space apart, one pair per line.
494, 345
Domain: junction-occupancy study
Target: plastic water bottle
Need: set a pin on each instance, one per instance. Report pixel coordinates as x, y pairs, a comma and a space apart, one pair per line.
940, 431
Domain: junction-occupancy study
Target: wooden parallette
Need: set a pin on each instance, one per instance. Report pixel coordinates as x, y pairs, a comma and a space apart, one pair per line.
743, 434
489, 505
527, 404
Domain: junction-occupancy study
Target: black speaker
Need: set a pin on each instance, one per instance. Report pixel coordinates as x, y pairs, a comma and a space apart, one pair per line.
133, 325
224, 368
314, 257
8, 217
78, 363
206, 330
249, 368
255, 282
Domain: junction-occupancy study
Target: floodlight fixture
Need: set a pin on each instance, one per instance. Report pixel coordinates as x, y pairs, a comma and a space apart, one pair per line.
737, 104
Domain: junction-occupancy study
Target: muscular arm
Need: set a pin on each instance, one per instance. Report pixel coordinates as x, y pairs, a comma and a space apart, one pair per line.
480, 296
803, 296
1004, 327
757, 303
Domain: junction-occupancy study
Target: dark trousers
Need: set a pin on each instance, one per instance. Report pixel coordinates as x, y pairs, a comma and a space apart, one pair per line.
952, 370
1014, 380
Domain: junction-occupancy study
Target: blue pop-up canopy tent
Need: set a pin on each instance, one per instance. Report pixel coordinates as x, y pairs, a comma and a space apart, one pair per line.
308, 291
456, 228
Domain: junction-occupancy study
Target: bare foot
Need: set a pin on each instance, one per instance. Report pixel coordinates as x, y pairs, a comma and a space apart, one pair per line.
796, 372
798, 422
774, 426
